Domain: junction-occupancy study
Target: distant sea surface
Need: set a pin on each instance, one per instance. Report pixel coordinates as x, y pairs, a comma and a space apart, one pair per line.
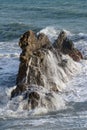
50, 17
17, 16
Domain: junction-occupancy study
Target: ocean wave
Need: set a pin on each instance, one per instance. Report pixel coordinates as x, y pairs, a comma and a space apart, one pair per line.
82, 35
9, 49
53, 32
80, 41
13, 55
76, 90
15, 107
11, 44
14, 30
11, 31
82, 46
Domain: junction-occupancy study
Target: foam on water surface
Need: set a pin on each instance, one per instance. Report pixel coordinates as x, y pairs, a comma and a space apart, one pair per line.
53, 32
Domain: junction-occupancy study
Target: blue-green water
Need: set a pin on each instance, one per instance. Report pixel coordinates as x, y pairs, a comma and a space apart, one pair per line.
18, 16
49, 16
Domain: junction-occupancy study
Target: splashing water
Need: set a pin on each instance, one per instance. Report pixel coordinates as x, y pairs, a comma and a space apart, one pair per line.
57, 75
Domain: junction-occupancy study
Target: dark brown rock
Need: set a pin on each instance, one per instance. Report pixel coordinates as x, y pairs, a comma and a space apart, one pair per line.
21, 73
19, 89
76, 55
28, 38
66, 46
33, 99
33, 42
58, 42
30, 43
32, 67
43, 41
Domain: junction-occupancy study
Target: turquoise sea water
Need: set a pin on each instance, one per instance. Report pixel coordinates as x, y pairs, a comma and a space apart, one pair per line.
18, 16
50, 16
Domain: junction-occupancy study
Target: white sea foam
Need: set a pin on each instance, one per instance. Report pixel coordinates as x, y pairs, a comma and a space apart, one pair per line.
17, 106
77, 88
9, 49
82, 46
49, 100
7, 55
83, 35
9, 90
57, 74
53, 32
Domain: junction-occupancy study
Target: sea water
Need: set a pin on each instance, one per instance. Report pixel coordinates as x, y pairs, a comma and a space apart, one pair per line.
49, 17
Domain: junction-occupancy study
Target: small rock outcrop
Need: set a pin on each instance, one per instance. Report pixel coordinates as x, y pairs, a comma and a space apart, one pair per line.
34, 68
66, 46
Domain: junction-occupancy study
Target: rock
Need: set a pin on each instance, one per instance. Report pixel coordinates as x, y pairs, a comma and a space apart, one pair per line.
33, 68
76, 55
33, 42
43, 41
58, 42
21, 73
66, 46
33, 99
30, 43
19, 89
54, 88
28, 39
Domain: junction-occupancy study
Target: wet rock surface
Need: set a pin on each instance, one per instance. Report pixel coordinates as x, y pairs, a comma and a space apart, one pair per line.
66, 46
35, 64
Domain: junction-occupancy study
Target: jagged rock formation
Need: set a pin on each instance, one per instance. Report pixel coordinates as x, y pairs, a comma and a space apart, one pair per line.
66, 46
36, 68
31, 51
